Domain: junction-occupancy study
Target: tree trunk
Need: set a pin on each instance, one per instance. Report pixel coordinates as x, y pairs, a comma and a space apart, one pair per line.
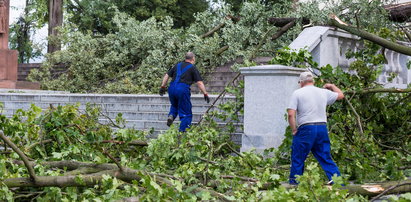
281, 22
370, 37
375, 189
380, 90
55, 20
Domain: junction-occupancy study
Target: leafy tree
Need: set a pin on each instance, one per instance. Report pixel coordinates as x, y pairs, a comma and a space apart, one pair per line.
96, 16
133, 58
237, 4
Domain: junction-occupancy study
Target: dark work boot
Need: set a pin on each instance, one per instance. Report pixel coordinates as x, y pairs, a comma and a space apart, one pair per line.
170, 120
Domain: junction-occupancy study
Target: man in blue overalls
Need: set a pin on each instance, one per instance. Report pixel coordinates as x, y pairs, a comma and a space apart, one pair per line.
184, 74
309, 104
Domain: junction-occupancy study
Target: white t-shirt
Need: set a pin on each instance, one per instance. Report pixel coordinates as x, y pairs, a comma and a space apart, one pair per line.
310, 103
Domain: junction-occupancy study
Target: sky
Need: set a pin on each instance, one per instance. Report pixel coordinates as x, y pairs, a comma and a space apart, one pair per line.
17, 8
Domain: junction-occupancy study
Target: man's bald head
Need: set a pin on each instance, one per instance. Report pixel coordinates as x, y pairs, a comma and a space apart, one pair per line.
190, 57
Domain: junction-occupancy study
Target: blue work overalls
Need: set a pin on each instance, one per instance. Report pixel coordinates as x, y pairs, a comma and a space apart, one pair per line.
179, 95
312, 138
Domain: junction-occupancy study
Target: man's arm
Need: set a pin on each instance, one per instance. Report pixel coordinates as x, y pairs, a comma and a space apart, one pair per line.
201, 86
165, 80
291, 120
334, 88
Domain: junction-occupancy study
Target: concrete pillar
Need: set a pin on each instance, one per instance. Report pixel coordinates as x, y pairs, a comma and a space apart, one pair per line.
267, 92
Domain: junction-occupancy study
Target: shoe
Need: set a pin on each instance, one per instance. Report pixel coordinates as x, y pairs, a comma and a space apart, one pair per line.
170, 120
293, 182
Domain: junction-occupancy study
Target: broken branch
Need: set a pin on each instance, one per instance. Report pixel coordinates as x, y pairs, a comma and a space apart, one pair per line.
22, 156
380, 90
336, 22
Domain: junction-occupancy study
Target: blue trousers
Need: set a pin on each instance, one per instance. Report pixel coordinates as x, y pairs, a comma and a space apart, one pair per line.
179, 95
312, 138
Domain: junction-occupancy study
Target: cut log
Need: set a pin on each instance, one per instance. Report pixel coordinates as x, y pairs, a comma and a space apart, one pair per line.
71, 181
376, 189
126, 175
71, 165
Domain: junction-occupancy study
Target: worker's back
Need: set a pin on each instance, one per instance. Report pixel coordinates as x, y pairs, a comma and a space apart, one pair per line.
310, 103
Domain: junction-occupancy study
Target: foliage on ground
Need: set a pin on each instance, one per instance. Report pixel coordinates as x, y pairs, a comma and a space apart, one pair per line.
201, 157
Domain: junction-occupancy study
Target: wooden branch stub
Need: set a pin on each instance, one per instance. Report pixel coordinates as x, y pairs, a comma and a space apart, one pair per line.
281, 22
399, 12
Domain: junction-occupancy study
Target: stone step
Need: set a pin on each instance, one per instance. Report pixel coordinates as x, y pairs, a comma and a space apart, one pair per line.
147, 116
160, 125
215, 83
108, 107
97, 98
152, 116
224, 78
235, 137
143, 112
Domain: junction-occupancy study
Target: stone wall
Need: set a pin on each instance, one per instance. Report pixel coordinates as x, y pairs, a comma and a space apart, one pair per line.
143, 112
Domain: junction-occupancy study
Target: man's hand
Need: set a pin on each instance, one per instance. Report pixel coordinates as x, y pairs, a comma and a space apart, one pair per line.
334, 88
206, 98
328, 86
163, 90
291, 120
294, 131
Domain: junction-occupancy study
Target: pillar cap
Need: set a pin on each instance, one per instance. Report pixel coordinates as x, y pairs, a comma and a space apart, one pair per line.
265, 70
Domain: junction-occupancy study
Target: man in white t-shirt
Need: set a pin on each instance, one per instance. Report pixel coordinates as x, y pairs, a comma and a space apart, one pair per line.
309, 104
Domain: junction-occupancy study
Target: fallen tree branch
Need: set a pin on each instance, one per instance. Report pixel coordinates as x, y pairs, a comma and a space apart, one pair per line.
219, 26
37, 143
113, 159
280, 22
134, 142
247, 179
127, 175
358, 118
376, 189
389, 189
216, 28
83, 171
282, 30
405, 167
279, 33
23, 157
392, 148
71, 165
380, 90
208, 161
222, 50
336, 22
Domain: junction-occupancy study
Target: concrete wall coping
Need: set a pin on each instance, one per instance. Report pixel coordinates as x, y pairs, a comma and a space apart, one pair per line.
266, 70
310, 37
